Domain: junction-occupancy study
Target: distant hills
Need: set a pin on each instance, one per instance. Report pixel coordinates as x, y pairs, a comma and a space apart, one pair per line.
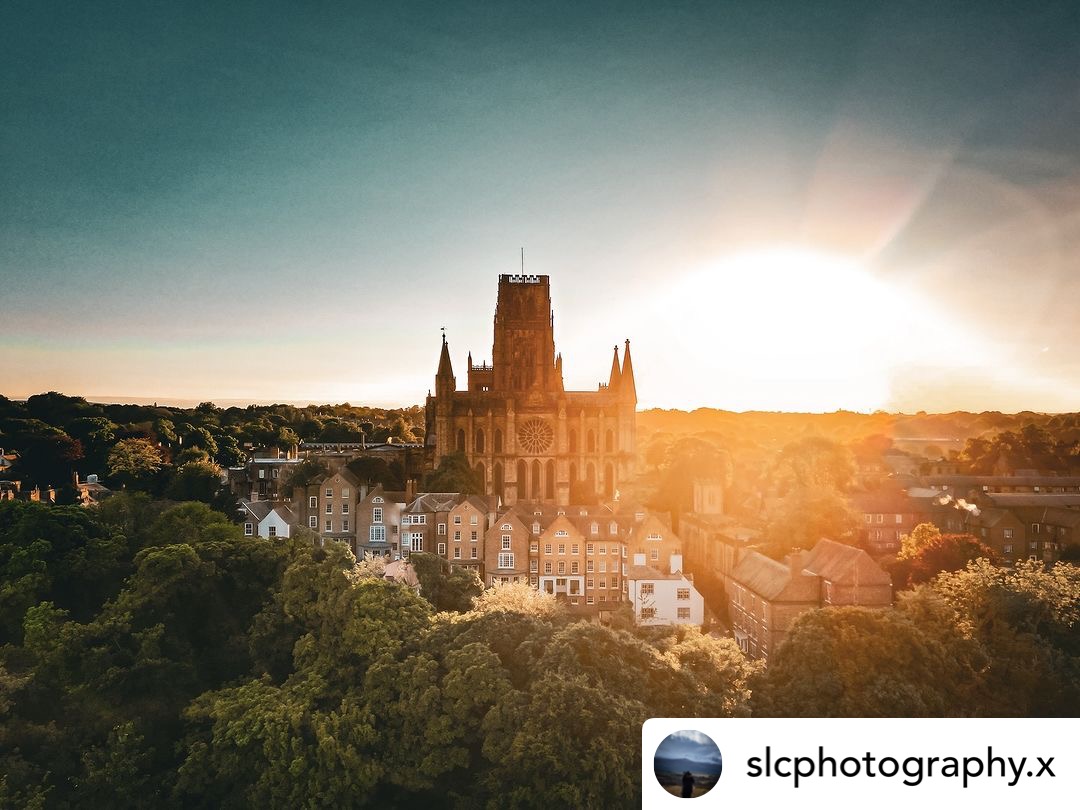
661, 764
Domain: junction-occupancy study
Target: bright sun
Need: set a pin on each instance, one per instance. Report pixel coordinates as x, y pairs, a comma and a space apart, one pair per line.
794, 329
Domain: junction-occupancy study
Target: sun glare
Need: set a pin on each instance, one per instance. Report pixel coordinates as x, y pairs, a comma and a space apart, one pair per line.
795, 329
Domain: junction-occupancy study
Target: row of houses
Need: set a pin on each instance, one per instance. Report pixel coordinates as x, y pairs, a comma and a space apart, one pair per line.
1017, 525
595, 558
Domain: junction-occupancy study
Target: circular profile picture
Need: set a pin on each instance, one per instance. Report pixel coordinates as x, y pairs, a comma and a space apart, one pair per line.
687, 764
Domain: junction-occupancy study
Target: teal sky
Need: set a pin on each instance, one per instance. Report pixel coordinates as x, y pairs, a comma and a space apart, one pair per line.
286, 201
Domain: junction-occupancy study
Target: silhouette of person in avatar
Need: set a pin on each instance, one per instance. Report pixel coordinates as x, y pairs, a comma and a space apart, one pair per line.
687, 785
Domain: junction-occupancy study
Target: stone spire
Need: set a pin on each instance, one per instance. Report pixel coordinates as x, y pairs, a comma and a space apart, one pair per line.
613, 380
627, 387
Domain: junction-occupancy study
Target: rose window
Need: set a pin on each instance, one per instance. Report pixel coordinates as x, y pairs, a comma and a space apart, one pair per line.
535, 436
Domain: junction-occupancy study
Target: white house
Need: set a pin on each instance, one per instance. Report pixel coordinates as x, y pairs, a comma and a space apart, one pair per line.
266, 519
659, 598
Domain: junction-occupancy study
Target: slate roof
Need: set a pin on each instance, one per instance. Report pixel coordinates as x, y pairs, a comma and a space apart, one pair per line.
773, 581
844, 564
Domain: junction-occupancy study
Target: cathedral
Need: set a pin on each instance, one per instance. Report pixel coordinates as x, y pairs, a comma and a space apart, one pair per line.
528, 437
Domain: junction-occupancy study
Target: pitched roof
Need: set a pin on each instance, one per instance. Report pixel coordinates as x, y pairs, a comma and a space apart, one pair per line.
257, 509
1012, 499
773, 580
844, 564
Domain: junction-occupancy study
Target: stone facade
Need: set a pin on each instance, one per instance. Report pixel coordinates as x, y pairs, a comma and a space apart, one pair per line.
528, 437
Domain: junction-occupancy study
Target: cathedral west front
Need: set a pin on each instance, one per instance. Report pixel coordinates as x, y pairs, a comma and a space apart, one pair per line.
528, 437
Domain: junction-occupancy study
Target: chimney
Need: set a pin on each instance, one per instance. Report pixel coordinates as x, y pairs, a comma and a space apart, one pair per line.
795, 562
410, 490
363, 491
74, 473
676, 563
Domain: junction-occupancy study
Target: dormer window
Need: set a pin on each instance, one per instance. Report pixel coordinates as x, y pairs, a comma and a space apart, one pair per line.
377, 500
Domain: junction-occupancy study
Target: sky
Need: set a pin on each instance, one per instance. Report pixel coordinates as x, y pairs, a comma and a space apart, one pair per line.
785, 206
691, 745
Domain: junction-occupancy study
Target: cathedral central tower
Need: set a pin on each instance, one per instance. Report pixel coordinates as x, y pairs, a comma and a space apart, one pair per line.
528, 438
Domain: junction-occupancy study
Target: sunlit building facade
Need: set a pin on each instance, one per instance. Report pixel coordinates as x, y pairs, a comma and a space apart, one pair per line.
528, 437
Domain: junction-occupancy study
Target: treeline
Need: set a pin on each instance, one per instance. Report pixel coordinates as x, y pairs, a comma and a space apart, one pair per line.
56, 434
940, 431
153, 656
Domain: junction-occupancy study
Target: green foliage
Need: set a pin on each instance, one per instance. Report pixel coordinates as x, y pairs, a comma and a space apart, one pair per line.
455, 475
445, 586
927, 553
134, 462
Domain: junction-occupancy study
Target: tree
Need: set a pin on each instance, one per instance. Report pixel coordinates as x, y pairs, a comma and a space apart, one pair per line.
858, 662
134, 462
922, 536
199, 481
455, 475
807, 515
445, 586
521, 598
949, 552
816, 463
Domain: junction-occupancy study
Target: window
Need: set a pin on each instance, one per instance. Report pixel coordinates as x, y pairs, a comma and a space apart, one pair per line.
457, 536
547, 548
613, 528
473, 520
1035, 528
594, 528
313, 522
828, 592
561, 533
588, 566
654, 555
442, 530
506, 527
534, 547
344, 524
262, 473
536, 528
879, 518
588, 600
442, 549
473, 554
457, 552
868, 518
682, 593
684, 613
562, 548
655, 537
1007, 534
329, 508
473, 537
589, 549
590, 583
533, 566
899, 518
646, 589
534, 581
345, 492
574, 567
457, 520
547, 568
313, 502
249, 529
329, 526
377, 534
1007, 548
377, 499
648, 613
275, 473
271, 531
603, 549
329, 492
344, 509
414, 541
562, 568
603, 566
506, 559
506, 539
603, 582
421, 519
575, 549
